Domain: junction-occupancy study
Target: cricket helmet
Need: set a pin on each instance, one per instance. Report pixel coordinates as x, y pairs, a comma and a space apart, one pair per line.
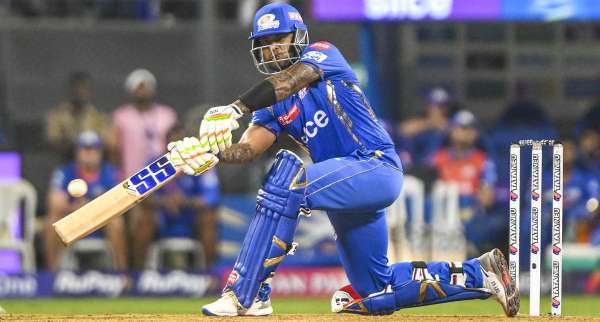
273, 19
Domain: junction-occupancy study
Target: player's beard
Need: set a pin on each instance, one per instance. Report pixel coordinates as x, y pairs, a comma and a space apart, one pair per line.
279, 65
281, 62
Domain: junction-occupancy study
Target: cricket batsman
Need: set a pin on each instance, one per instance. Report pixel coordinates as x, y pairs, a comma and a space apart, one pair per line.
313, 95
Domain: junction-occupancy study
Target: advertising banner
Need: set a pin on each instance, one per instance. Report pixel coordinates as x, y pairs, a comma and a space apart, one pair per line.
103, 284
308, 282
455, 10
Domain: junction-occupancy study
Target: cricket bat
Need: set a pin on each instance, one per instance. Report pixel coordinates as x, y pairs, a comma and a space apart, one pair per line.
116, 201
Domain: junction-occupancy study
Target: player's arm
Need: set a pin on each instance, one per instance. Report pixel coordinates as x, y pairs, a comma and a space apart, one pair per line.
219, 121
254, 142
277, 87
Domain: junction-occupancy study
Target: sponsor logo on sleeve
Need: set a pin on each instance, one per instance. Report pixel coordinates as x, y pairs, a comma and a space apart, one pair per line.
322, 45
267, 21
290, 116
317, 56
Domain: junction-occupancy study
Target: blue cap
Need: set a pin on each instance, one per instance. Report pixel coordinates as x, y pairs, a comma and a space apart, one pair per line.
276, 18
88, 139
463, 118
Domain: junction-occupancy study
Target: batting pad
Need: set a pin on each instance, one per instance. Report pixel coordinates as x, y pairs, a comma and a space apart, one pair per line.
411, 294
269, 237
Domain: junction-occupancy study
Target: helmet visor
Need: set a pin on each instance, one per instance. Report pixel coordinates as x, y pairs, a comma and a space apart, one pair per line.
271, 60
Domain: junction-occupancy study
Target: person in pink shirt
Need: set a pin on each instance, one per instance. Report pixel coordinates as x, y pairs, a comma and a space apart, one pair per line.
140, 127
139, 132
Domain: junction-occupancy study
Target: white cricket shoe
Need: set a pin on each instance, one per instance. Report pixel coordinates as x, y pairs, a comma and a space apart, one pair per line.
228, 305
497, 280
260, 308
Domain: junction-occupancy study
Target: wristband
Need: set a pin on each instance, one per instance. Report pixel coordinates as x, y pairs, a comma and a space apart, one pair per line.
260, 96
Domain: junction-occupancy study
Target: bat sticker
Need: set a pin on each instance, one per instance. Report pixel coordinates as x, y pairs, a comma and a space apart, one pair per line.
149, 177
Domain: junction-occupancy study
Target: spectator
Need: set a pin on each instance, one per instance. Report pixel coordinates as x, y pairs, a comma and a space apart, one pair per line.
521, 119
580, 186
423, 135
589, 151
100, 177
590, 119
463, 163
139, 134
74, 116
185, 208
140, 127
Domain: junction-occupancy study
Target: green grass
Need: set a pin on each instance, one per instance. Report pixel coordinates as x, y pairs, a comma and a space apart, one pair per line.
573, 305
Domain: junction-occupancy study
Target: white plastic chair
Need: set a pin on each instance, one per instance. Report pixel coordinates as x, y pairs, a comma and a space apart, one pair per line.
69, 258
14, 195
412, 243
160, 248
448, 240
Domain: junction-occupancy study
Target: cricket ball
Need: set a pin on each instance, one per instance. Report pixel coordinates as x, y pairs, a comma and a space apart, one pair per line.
77, 188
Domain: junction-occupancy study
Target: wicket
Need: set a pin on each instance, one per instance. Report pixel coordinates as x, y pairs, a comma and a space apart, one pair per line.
536, 220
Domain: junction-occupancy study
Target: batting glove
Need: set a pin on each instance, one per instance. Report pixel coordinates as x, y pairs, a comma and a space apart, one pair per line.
190, 156
216, 127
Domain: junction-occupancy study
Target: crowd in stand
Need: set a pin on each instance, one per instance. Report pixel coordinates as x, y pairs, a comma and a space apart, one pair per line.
137, 132
447, 143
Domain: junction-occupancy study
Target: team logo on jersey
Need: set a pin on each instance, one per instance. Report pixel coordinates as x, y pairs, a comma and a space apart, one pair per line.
290, 116
317, 56
267, 21
322, 45
295, 16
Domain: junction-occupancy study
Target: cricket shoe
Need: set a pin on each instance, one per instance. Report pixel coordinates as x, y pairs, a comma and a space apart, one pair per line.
262, 303
228, 305
497, 280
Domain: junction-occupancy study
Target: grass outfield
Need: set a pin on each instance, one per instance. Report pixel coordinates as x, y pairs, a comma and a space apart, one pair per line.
573, 306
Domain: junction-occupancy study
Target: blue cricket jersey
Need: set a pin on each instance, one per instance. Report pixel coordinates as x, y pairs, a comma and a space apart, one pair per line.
104, 180
331, 117
182, 224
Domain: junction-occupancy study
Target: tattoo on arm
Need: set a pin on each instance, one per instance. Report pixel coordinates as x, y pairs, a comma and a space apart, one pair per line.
237, 153
293, 79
